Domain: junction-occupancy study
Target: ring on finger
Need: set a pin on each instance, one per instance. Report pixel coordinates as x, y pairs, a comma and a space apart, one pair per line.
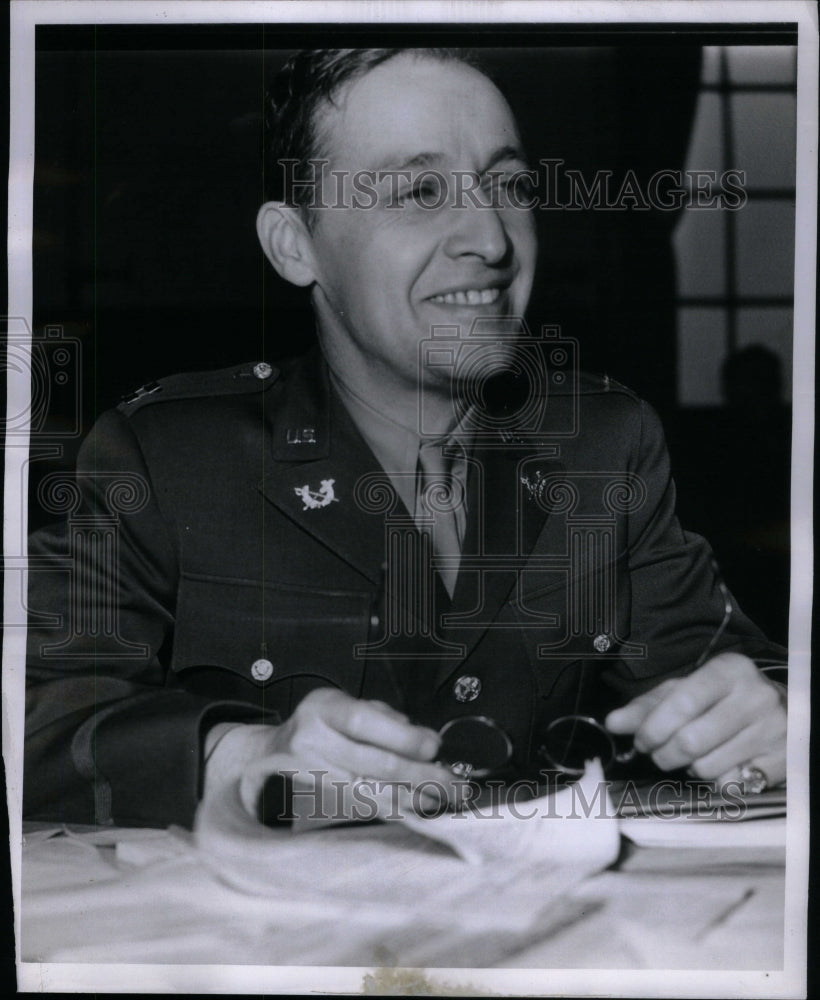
754, 778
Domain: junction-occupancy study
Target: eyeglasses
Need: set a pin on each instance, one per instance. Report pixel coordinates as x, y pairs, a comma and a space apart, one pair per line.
476, 746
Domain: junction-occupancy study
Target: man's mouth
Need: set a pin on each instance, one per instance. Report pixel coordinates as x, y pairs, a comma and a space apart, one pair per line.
468, 297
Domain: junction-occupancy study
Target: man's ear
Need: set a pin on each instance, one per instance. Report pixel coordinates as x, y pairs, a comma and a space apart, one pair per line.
286, 241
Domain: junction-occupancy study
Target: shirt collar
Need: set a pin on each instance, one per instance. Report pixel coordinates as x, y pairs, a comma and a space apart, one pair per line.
394, 445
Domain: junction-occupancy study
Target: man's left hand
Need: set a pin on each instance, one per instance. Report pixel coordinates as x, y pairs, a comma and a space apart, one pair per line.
721, 717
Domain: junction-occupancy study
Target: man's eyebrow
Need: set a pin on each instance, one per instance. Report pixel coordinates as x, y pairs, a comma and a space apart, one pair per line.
417, 160
429, 159
504, 153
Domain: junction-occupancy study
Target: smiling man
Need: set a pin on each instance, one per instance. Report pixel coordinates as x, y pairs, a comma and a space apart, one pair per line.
415, 550
383, 275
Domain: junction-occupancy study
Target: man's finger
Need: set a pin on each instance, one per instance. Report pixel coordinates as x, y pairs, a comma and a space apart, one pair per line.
364, 723
382, 706
376, 724
689, 699
630, 717
755, 743
704, 734
728, 676
334, 750
772, 765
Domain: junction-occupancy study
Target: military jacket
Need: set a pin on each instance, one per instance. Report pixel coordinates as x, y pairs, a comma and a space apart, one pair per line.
230, 543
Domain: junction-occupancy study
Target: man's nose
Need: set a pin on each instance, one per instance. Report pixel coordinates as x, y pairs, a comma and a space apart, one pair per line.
477, 231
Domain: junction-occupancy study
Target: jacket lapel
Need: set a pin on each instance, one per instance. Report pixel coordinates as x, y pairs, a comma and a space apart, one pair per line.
505, 521
318, 457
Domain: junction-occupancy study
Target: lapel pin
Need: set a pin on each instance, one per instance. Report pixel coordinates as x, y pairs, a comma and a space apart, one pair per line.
316, 498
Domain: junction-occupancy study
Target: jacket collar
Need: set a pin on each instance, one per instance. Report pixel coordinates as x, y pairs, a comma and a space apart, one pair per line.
316, 445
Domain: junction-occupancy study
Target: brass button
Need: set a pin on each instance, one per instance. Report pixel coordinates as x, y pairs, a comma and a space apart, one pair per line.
262, 670
602, 643
467, 688
262, 370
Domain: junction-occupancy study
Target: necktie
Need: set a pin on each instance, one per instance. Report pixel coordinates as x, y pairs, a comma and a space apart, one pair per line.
440, 496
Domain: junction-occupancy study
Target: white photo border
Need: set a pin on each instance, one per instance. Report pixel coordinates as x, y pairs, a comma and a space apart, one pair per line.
114, 978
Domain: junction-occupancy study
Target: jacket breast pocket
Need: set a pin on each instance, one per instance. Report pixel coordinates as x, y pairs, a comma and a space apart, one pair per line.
267, 633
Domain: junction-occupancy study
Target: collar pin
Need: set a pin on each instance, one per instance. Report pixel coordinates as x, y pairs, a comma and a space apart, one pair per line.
301, 435
317, 498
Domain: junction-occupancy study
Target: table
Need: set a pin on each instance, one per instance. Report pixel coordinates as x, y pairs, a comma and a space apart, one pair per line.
148, 896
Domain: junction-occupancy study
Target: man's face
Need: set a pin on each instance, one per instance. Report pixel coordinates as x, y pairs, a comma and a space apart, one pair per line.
386, 274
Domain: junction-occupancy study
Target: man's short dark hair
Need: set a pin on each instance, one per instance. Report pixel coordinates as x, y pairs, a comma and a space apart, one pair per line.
306, 81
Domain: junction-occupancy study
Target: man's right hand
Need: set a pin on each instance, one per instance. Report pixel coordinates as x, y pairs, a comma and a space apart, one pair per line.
330, 730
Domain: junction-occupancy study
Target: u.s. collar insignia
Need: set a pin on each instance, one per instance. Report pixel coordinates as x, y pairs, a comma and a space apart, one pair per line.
317, 498
534, 485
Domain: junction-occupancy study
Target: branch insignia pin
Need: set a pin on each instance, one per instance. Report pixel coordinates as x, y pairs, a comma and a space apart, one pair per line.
534, 485
316, 498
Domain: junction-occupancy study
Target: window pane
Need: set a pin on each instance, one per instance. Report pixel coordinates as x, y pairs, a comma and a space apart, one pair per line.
699, 240
706, 144
771, 327
710, 67
764, 138
701, 350
765, 248
762, 63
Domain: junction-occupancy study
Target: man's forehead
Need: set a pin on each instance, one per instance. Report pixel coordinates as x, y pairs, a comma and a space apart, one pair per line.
418, 112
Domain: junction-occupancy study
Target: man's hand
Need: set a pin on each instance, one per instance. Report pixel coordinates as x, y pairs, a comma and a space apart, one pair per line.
721, 717
332, 731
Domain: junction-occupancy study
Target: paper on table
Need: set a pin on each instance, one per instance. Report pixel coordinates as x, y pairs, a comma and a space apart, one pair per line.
367, 894
523, 863
686, 831
695, 814
575, 826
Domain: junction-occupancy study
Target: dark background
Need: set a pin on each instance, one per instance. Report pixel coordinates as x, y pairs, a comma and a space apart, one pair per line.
148, 179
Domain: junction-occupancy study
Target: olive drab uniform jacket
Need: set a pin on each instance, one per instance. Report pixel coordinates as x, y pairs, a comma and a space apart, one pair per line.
230, 543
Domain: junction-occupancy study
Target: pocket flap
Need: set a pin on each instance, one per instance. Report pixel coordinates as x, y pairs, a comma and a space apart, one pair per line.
268, 632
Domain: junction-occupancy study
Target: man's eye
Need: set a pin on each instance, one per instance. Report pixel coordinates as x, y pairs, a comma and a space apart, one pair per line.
517, 186
523, 186
425, 193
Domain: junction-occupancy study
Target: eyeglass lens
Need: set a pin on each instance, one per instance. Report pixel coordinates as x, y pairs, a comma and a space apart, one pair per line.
474, 746
572, 740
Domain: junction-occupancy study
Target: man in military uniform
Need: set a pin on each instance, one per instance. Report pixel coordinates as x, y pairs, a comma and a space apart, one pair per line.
340, 558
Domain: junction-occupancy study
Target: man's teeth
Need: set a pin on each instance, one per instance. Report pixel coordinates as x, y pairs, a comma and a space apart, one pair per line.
469, 297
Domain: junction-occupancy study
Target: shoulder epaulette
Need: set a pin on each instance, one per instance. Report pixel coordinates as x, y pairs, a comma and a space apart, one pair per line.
591, 382
250, 377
